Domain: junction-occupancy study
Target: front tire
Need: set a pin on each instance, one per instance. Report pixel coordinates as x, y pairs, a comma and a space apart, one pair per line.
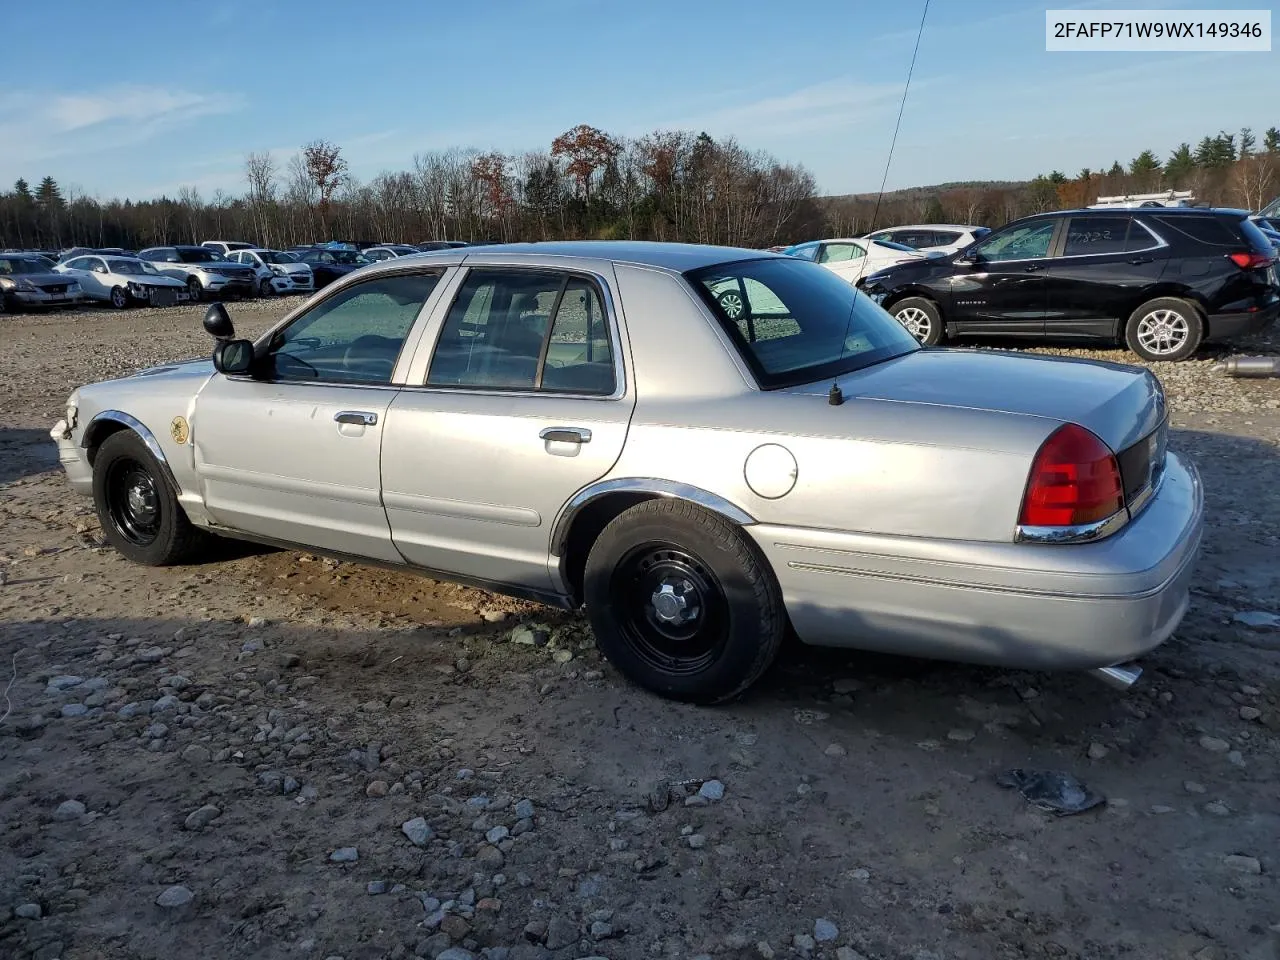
265, 289
194, 290
119, 299
682, 603
1166, 328
921, 318
138, 507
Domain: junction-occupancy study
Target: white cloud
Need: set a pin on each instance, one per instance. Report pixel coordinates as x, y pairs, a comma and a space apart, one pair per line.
131, 104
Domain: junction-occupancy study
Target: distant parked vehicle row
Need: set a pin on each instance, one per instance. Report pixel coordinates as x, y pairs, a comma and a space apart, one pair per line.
854, 258
29, 280
940, 237
123, 281
203, 270
276, 271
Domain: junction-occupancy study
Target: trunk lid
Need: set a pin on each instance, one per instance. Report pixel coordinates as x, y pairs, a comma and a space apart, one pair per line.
1122, 405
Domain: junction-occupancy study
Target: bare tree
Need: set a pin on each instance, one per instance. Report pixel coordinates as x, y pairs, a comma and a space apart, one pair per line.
327, 170
260, 174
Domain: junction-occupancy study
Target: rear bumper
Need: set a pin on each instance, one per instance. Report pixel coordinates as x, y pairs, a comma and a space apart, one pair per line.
1034, 606
1227, 326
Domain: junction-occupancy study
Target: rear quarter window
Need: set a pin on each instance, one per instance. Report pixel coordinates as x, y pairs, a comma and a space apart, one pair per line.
1214, 231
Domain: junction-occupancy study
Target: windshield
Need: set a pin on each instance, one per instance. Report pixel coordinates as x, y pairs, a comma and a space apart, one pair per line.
134, 268
276, 256
1272, 209
805, 251
11, 265
200, 255
797, 322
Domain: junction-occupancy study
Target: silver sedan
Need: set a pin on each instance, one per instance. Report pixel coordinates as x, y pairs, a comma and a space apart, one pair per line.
707, 447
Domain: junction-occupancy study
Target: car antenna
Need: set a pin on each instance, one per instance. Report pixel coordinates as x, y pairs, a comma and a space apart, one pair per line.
835, 396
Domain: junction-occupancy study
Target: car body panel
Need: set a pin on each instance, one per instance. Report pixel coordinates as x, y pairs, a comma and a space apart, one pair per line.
898, 531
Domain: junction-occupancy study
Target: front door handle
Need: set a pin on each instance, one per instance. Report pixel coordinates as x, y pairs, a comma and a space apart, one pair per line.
359, 417
1137, 260
1033, 267
566, 434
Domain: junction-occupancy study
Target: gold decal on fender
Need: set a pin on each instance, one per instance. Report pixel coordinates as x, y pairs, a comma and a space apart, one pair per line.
179, 430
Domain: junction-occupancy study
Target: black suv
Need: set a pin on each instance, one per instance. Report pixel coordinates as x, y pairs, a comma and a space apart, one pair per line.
1163, 280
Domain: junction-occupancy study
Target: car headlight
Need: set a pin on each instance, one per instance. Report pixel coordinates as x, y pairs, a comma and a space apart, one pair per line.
278, 271
73, 287
26, 285
137, 289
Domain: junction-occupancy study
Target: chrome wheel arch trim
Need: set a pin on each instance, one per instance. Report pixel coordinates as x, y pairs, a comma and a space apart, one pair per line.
652, 485
138, 427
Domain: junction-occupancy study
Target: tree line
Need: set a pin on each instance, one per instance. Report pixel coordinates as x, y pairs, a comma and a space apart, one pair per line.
668, 185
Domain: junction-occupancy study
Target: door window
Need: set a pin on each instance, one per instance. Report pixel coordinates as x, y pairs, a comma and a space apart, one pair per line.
96, 265
79, 263
1140, 238
1090, 236
1026, 242
944, 238
525, 330
353, 336
839, 252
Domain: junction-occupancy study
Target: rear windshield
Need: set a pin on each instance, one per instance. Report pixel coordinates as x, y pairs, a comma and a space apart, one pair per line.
199, 255
796, 322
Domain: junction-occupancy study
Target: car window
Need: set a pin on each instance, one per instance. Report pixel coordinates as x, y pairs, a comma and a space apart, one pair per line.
354, 336
79, 263
803, 251
943, 238
839, 252
1140, 237
1205, 229
796, 322
97, 265
1025, 242
525, 330
1088, 236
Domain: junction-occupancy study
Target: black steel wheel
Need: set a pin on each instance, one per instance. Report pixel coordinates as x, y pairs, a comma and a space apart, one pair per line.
137, 505
682, 602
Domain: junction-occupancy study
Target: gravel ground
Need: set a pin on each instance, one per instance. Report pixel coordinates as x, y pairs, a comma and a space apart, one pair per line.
273, 755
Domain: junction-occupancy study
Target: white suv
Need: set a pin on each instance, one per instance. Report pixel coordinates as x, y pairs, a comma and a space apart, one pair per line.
942, 237
276, 271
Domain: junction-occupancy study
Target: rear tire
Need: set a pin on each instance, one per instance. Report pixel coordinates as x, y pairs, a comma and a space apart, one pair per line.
138, 507
921, 318
1164, 329
682, 603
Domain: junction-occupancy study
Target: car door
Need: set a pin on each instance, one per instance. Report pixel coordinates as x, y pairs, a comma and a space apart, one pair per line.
81, 270
291, 454
843, 258
521, 402
999, 288
1105, 264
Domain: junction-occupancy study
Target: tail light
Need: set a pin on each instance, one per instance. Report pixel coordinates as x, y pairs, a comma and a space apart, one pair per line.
1250, 260
1075, 480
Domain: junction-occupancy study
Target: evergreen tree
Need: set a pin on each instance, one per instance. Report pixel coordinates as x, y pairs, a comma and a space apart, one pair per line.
1145, 164
1180, 166
1116, 170
1271, 140
1247, 141
22, 190
1206, 151
48, 195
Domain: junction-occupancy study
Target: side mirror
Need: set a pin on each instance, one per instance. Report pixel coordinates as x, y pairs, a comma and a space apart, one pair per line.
970, 256
233, 356
217, 322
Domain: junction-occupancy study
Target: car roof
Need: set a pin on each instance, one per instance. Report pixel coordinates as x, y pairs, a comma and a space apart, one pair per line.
676, 257
1145, 211
930, 226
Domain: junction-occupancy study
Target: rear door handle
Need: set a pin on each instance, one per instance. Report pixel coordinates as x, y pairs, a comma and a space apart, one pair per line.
1137, 260
359, 417
566, 434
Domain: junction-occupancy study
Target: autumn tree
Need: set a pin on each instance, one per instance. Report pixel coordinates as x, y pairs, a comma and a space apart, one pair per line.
585, 150
327, 170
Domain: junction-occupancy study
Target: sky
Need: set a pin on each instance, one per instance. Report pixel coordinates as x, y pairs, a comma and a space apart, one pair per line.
175, 94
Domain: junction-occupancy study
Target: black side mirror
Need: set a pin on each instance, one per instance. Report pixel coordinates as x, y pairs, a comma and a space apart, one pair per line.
970, 256
232, 356
217, 322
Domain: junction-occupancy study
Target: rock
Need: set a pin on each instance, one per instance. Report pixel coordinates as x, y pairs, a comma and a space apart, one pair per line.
202, 817
601, 930
344, 855
61, 683
1215, 744
377, 789
835, 750
1242, 864
166, 704
762, 946
70, 710
848, 953
824, 931
803, 942
455, 953
433, 946
489, 905
1192, 787
417, 830
497, 834
524, 810
456, 927
156, 731
1235, 757
861, 874
1250, 713
696, 841
561, 933
151, 655
490, 856
29, 911
1257, 618
1159, 808
174, 898
375, 887
465, 774
197, 754
960, 736
1217, 808
712, 790
1097, 751
535, 931
562, 655
69, 810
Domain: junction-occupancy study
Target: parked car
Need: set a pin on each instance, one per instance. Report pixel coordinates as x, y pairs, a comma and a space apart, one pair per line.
27, 280
225, 247
942, 237
548, 442
204, 271
123, 281
330, 265
276, 271
853, 259
1161, 280
390, 251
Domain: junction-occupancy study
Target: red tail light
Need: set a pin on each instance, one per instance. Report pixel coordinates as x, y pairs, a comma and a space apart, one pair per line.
1075, 480
1250, 260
